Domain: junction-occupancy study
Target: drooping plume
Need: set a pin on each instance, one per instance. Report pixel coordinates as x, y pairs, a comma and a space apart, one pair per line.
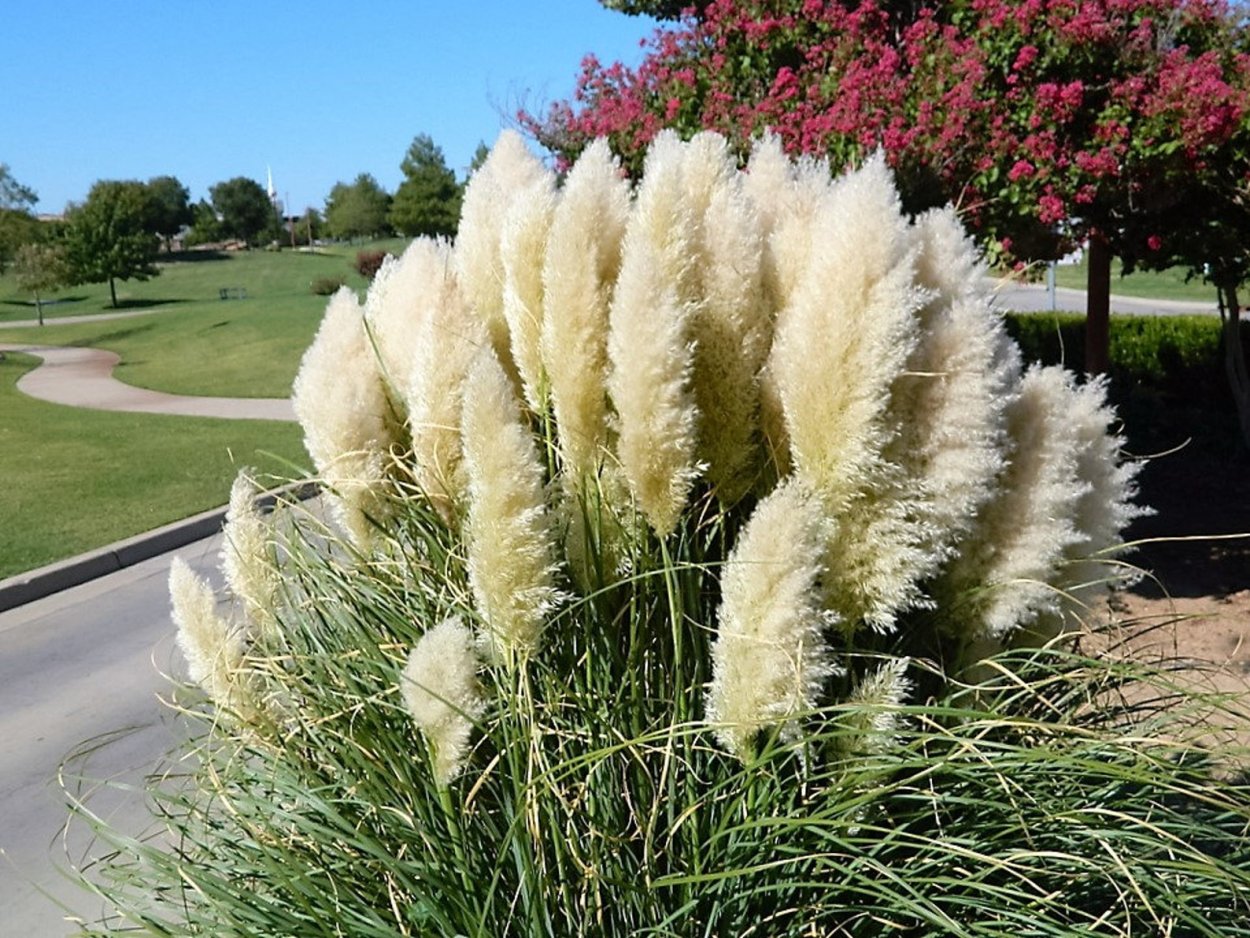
1004, 575
443, 695
770, 660
212, 646
511, 548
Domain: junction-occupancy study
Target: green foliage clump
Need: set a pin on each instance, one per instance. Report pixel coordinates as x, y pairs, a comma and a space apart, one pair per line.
1180, 356
327, 286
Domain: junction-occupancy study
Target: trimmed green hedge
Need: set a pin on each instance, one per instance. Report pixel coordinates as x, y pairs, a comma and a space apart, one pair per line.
1181, 357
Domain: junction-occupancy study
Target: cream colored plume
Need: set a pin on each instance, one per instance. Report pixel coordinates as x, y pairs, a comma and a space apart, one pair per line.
447, 339
350, 427
247, 554
950, 400
443, 695
579, 273
649, 343
512, 554
509, 170
946, 413
732, 322
396, 305
848, 330
212, 646
1104, 509
1004, 575
770, 660
522, 251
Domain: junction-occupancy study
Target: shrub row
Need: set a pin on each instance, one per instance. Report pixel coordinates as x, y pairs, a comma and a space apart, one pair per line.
1181, 357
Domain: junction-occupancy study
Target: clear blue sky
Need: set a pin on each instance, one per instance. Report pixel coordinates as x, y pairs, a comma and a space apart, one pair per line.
320, 92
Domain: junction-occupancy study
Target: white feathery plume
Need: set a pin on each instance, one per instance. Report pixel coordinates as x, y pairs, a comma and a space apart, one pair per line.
1104, 509
1004, 573
951, 398
247, 558
349, 425
649, 343
395, 306
732, 323
448, 338
580, 270
511, 547
522, 251
212, 646
443, 695
509, 170
770, 660
946, 409
846, 333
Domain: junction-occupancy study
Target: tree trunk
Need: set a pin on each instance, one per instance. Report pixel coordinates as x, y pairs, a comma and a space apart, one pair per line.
1235, 358
113, 292
1098, 306
38, 307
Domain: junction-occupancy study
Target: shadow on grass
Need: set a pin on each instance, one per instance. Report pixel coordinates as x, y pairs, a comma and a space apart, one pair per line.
123, 305
30, 304
192, 257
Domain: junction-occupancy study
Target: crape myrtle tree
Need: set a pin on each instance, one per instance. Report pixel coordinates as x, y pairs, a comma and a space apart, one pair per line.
108, 237
1047, 123
427, 202
244, 210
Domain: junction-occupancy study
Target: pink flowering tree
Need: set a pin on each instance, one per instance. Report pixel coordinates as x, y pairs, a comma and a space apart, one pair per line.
1048, 122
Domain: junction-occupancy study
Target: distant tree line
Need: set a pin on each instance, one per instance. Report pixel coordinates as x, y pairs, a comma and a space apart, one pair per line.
118, 231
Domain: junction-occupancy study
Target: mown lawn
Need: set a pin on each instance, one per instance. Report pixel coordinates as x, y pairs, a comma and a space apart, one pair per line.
191, 341
1156, 285
78, 479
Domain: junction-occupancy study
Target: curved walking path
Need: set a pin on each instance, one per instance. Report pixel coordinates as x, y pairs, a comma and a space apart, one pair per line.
83, 377
74, 320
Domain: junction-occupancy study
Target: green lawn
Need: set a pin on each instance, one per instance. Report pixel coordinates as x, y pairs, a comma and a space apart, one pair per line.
78, 479
191, 341
1162, 285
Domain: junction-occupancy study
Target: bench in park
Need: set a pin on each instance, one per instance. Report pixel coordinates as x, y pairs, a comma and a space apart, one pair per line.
233, 293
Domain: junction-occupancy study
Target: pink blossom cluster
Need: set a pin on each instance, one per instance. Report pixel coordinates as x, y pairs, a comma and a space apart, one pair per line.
1040, 118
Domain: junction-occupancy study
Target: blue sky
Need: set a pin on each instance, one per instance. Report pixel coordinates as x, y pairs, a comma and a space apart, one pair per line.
318, 91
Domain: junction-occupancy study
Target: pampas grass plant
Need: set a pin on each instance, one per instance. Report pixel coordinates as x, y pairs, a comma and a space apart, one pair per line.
585, 653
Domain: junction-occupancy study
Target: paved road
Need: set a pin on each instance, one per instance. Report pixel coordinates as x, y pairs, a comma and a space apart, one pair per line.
75, 669
83, 377
1035, 298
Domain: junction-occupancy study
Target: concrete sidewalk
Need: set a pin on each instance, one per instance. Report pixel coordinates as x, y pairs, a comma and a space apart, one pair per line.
83, 377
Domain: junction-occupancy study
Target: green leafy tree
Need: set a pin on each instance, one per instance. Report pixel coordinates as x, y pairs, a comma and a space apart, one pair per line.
17, 225
358, 209
428, 200
108, 237
171, 207
40, 269
658, 9
479, 157
244, 210
205, 225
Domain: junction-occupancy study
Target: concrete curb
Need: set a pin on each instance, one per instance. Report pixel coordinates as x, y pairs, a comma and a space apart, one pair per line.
36, 584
